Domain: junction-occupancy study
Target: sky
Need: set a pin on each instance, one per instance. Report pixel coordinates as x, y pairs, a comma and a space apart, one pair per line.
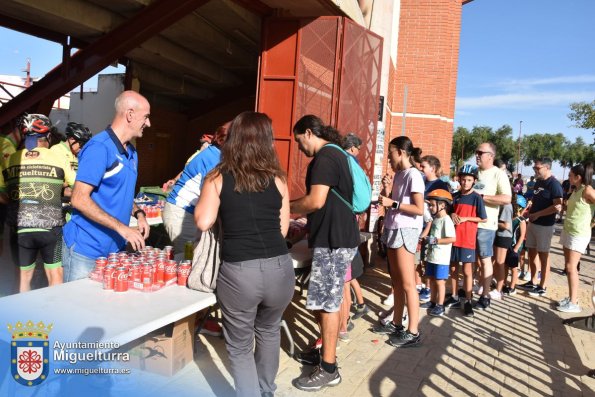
526, 60
520, 60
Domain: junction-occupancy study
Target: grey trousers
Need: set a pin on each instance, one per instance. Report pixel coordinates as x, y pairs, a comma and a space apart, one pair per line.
253, 296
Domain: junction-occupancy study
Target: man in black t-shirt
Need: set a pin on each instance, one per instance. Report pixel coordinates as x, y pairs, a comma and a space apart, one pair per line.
333, 237
547, 202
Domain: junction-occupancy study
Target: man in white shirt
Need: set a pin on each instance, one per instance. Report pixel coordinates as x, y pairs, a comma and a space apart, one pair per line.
494, 187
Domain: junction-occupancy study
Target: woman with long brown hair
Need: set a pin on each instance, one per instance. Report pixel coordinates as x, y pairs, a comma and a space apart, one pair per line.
248, 190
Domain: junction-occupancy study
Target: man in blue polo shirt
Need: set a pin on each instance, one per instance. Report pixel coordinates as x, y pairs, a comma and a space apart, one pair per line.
103, 194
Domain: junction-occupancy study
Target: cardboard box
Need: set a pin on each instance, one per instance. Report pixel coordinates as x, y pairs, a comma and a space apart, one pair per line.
167, 350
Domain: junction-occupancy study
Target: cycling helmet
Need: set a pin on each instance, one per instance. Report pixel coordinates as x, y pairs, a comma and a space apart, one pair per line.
468, 169
521, 201
32, 124
440, 195
79, 132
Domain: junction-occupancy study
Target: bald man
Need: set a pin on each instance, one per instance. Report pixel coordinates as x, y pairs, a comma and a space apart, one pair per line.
103, 194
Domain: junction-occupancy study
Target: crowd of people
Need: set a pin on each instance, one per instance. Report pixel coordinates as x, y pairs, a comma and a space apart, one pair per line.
437, 235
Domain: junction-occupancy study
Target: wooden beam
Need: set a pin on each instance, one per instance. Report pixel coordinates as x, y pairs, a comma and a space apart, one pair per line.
98, 55
37, 31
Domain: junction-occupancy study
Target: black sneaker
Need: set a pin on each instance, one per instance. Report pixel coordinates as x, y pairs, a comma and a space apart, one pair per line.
405, 339
388, 329
468, 309
509, 291
527, 286
427, 305
538, 291
360, 311
452, 302
437, 311
318, 379
311, 357
482, 303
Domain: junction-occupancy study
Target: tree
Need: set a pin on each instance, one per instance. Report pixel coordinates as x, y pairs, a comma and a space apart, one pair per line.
538, 146
583, 114
463, 146
575, 153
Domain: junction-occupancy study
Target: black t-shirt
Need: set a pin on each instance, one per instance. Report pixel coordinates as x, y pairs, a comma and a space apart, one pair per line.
334, 225
544, 193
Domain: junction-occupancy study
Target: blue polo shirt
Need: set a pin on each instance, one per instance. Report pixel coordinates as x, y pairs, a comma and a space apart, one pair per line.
112, 170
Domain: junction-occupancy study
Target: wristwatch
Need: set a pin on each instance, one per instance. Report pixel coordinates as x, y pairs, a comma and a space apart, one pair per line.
139, 211
396, 205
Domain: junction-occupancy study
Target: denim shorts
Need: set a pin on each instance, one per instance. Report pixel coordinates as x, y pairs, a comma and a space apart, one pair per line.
485, 242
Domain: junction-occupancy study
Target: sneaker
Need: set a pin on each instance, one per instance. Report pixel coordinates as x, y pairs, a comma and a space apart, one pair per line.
478, 289
527, 286
212, 328
360, 311
424, 295
563, 301
453, 302
526, 276
482, 303
387, 329
310, 357
427, 305
510, 291
495, 295
343, 336
538, 291
318, 379
570, 307
404, 339
389, 301
386, 318
437, 310
350, 325
468, 309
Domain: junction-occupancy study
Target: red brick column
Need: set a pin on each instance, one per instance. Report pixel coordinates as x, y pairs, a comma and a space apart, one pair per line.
427, 61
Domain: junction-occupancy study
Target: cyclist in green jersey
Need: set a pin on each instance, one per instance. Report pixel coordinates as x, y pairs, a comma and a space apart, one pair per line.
32, 183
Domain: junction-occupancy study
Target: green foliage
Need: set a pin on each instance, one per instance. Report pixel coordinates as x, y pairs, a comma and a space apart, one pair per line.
583, 115
536, 146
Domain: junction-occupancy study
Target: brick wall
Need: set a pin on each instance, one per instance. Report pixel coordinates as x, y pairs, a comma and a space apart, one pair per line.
427, 61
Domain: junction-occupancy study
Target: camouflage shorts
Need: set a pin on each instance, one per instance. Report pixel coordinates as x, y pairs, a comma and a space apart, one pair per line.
325, 291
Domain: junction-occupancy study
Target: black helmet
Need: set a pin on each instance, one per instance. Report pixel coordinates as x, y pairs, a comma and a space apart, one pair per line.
79, 132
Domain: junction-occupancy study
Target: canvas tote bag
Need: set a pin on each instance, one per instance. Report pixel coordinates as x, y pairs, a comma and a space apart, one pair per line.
206, 261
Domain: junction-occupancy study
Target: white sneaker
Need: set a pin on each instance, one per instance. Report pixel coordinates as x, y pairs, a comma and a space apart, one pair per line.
569, 307
389, 301
526, 277
563, 302
495, 294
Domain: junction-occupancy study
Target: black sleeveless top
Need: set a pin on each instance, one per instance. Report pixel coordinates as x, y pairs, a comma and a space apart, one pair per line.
251, 223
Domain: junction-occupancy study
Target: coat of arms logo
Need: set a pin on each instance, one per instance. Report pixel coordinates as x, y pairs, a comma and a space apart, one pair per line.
29, 352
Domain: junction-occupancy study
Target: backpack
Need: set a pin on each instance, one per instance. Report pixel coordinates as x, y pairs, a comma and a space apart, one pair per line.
362, 190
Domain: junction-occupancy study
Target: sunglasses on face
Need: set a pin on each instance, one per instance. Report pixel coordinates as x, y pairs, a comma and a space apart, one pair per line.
480, 153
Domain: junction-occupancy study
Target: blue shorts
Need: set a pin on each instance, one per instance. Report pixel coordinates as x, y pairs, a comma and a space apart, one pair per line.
485, 242
439, 272
464, 255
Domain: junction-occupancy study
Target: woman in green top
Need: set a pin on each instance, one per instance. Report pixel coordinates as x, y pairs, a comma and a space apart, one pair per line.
576, 234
